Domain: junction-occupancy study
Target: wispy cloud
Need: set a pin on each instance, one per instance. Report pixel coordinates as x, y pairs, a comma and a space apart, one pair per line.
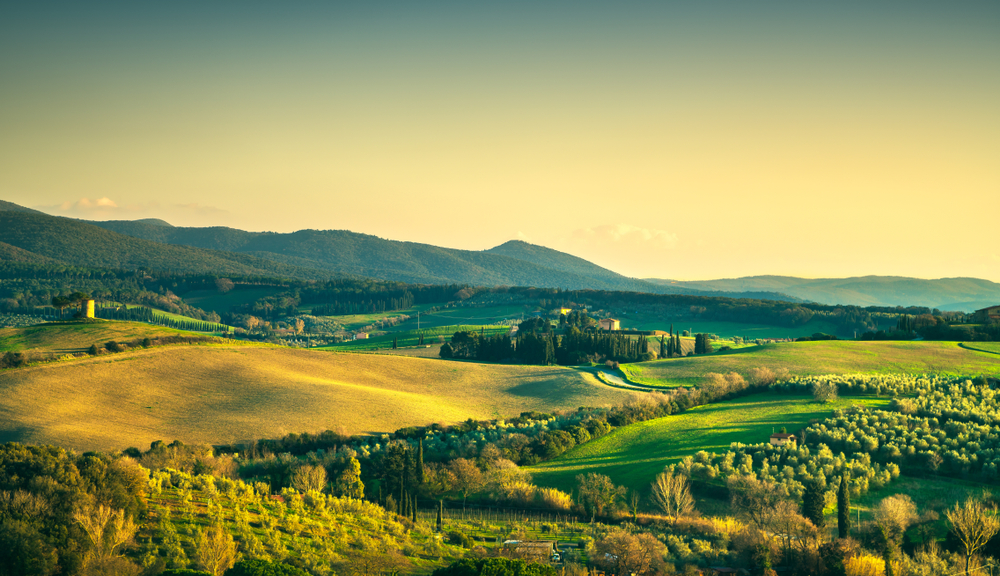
625, 235
107, 209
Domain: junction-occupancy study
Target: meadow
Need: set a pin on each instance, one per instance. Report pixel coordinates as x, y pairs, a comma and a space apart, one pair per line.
69, 337
223, 393
633, 455
817, 358
991, 347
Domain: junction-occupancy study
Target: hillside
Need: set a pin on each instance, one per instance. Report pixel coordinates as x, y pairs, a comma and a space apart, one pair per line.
963, 294
365, 255
67, 337
816, 358
78, 243
228, 393
633, 455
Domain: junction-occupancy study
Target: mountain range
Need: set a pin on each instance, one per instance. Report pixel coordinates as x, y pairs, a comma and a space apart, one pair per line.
27, 235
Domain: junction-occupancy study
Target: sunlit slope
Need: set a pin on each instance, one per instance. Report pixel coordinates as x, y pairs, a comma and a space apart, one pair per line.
633, 455
220, 394
828, 357
65, 337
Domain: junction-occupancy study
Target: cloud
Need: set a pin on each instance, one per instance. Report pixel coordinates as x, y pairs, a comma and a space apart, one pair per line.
107, 209
625, 235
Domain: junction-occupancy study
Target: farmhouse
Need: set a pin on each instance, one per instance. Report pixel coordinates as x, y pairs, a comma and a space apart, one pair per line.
563, 311
361, 336
87, 308
985, 315
609, 324
780, 439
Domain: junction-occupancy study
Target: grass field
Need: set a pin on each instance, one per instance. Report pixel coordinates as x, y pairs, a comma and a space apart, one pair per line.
472, 316
227, 393
992, 347
66, 337
633, 455
814, 358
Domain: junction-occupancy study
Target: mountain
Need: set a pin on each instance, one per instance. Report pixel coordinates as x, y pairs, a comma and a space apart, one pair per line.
962, 294
341, 251
43, 239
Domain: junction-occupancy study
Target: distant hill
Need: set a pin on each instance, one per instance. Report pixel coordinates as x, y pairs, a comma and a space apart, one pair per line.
964, 294
11, 207
514, 263
341, 251
39, 238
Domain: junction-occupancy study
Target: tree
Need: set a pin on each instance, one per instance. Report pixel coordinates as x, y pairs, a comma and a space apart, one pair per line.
420, 463
974, 524
891, 517
307, 477
349, 484
106, 529
598, 492
757, 500
263, 568
216, 550
495, 567
844, 507
671, 493
468, 477
224, 285
625, 553
813, 503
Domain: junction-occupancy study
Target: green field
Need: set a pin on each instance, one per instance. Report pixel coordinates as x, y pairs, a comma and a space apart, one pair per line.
226, 393
633, 455
992, 347
465, 315
68, 337
817, 358
411, 337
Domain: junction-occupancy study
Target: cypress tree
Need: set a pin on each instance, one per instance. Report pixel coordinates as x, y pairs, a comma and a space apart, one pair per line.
813, 502
440, 518
420, 463
414, 508
844, 508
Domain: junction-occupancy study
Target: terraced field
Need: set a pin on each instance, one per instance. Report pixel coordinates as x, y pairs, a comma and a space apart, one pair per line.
633, 455
228, 393
817, 358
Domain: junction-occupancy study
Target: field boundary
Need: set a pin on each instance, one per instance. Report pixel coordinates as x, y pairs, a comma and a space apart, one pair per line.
963, 345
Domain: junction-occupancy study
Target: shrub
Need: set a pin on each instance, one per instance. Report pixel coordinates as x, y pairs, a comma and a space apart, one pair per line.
263, 568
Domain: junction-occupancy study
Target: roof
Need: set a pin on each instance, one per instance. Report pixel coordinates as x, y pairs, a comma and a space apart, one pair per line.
531, 543
997, 307
782, 435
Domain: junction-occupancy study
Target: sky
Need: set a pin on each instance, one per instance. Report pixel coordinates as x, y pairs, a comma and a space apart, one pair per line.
676, 140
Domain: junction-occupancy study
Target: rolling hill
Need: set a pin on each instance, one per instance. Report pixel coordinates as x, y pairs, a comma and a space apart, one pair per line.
229, 393
817, 358
963, 294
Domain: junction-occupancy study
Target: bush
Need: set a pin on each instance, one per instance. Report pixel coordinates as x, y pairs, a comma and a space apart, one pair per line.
456, 538
184, 572
263, 568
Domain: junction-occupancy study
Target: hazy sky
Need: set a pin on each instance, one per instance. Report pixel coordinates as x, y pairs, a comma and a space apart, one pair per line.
677, 140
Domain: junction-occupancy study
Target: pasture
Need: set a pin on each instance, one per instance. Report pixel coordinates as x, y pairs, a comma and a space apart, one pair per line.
69, 337
817, 358
230, 393
633, 455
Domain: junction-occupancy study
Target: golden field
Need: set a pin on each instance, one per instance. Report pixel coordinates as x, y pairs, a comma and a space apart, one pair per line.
229, 393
